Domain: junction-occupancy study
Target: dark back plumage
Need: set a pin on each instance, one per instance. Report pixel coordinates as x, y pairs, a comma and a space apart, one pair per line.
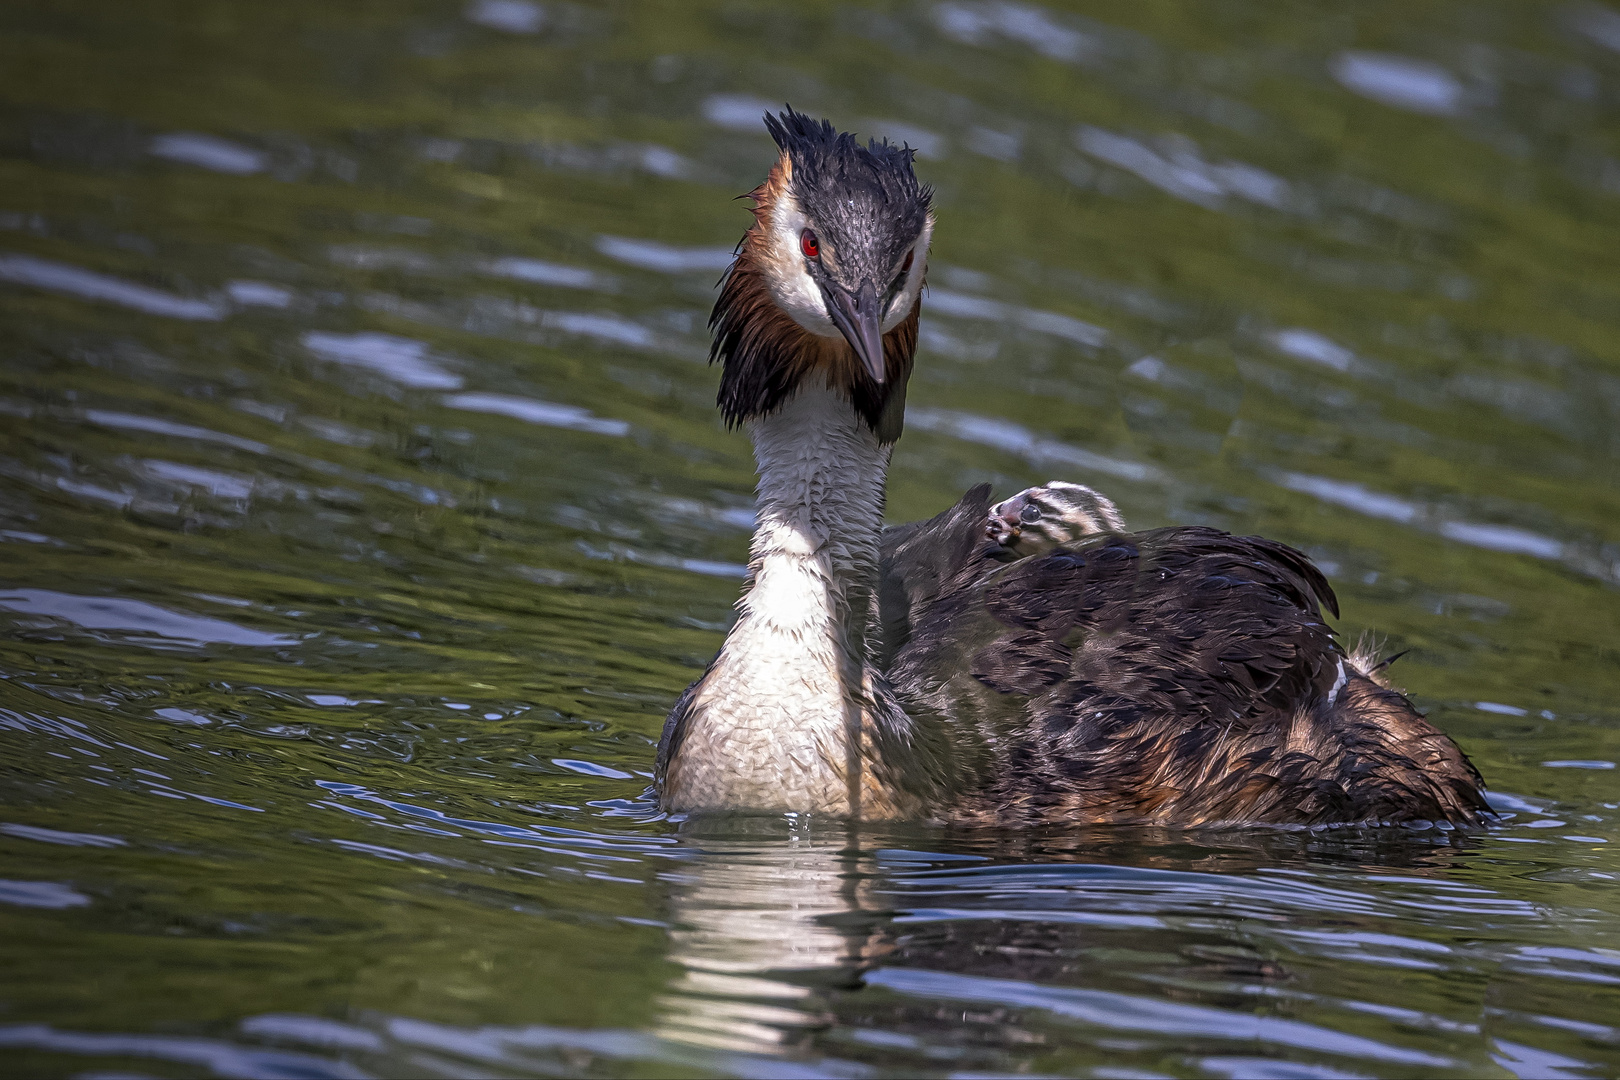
1177, 676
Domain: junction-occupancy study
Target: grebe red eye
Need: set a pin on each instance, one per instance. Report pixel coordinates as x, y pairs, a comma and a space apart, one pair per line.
907, 266
807, 243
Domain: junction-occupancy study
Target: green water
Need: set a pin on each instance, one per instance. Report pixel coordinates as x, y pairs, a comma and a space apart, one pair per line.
364, 508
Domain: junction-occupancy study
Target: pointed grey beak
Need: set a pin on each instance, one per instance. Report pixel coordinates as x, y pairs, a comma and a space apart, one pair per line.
860, 321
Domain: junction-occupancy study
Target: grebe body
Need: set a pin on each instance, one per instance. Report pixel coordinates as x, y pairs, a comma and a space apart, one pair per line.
1028, 662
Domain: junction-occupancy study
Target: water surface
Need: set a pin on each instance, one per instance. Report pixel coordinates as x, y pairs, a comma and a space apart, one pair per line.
363, 509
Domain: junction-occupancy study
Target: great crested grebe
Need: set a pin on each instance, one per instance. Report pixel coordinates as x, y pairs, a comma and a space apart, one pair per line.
993, 665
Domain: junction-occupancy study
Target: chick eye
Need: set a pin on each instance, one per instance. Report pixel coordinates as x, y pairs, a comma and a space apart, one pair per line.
1030, 514
808, 245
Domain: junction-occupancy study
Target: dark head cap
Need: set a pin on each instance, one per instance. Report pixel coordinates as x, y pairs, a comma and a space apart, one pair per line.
865, 202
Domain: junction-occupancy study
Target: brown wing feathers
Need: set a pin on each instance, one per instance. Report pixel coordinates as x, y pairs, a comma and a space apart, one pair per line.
1180, 676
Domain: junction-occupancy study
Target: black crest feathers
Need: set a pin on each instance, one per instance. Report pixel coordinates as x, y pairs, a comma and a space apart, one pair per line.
832, 171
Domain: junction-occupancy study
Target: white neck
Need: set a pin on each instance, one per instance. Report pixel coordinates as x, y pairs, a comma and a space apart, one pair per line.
774, 724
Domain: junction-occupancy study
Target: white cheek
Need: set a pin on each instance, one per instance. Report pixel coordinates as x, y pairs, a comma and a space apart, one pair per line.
791, 284
907, 299
801, 298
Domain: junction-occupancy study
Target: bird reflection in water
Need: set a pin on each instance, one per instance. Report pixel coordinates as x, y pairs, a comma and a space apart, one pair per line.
778, 924
762, 924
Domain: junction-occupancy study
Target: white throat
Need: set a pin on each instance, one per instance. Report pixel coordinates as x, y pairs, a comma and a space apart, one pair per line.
774, 723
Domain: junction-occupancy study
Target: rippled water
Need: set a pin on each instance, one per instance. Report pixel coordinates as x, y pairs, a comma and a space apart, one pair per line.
364, 509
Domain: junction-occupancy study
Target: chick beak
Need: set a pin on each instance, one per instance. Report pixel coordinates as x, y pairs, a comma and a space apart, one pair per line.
859, 319
1004, 524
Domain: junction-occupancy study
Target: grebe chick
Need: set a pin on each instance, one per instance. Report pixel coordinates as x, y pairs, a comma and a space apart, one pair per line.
1038, 519
1178, 676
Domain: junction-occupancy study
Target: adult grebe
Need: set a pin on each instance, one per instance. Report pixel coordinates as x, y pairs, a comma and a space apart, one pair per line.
1179, 676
